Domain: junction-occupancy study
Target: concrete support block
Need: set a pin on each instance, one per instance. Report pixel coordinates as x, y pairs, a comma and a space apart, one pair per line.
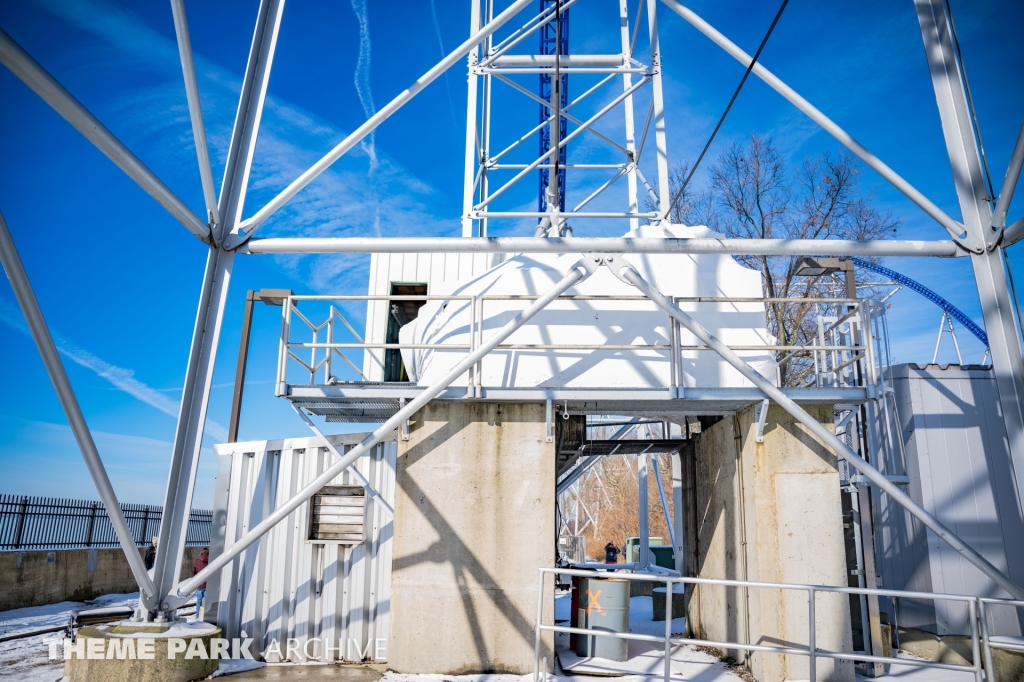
139, 652
678, 602
474, 519
767, 512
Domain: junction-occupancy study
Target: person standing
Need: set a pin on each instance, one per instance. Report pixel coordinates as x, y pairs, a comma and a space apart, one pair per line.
611, 553
198, 565
150, 558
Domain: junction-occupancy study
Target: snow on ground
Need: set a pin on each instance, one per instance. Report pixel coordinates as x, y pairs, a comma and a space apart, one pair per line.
646, 659
28, 659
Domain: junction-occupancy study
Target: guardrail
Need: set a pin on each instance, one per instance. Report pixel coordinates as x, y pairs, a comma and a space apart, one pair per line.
28, 523
842, 356
980, 637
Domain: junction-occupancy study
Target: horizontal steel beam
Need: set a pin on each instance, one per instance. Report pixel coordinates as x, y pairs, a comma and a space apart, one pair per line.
561, 60
316, 398
64, 103
751, 247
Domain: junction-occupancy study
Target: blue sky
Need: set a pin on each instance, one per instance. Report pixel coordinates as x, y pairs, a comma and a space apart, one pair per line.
118, 278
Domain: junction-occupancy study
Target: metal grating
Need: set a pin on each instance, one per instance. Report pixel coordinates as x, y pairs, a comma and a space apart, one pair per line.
352, 410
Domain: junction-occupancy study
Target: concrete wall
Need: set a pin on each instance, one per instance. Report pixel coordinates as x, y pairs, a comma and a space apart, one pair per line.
767, 512
474, 519
42, 577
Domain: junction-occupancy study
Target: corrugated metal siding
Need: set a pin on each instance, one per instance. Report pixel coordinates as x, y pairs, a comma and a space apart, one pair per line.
959, 467
430, 268
285, 587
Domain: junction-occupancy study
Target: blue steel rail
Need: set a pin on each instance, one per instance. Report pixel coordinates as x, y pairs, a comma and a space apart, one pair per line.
946, 306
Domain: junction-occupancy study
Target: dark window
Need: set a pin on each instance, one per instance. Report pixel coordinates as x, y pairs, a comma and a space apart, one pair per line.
401, 313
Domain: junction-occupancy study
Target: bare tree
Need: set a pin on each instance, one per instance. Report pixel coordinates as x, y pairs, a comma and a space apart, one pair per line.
753, 195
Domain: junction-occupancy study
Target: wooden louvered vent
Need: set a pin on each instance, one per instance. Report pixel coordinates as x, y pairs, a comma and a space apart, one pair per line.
337, 514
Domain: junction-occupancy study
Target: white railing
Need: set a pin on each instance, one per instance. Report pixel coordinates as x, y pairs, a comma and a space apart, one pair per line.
839, 358
976, 608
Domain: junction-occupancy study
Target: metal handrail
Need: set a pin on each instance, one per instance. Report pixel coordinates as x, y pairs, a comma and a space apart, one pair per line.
981, 641
833, 352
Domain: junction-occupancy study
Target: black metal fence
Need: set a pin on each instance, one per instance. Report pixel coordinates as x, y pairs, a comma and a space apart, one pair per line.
54, 523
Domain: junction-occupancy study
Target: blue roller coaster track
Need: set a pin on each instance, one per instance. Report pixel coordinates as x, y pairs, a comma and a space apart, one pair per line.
946, 306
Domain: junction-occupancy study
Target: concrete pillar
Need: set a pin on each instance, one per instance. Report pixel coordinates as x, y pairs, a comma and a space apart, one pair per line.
767, 512
474, 519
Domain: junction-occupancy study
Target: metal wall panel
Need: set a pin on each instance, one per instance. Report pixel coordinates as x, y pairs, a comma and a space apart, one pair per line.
284, 587
958, 463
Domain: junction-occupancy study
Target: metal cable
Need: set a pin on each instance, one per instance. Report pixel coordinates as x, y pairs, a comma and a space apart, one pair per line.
732, 100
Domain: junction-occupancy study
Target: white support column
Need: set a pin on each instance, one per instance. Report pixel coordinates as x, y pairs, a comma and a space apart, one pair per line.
485, 118
993, 291
677, 509
627, 83
212, 302
195, 109
644, 513
473, 143
664, 501
661, 145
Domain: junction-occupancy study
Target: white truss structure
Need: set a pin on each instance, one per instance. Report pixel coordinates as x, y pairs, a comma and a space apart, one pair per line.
226, 233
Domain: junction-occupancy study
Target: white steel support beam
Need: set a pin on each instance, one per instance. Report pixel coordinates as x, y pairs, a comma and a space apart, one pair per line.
22, 287
195, 109
644, 546
770, 247
1009, 181
212, 301
474, 148
678, 506
954, 228
632, 205
64, 103
664, 501
1006, 193
658, 104
628, 274
989, 271
578, 272
385, 112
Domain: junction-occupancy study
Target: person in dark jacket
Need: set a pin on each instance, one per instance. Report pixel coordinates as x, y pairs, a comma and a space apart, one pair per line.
611, 553
151, 555
198, 565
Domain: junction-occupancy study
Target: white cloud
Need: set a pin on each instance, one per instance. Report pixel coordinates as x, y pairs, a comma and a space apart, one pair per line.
121, 378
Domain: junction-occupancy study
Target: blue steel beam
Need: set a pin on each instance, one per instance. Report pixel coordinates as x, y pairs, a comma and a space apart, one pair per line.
552, 44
